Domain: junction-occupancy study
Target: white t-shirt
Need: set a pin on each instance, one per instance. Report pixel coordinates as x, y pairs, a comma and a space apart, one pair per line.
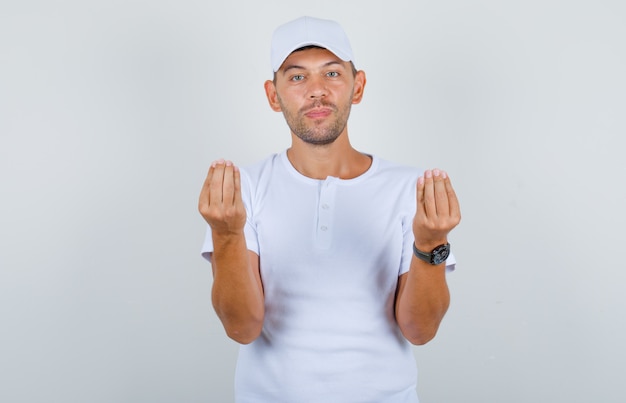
330, 255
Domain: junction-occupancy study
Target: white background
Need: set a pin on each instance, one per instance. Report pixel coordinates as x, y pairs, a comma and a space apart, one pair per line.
111, 112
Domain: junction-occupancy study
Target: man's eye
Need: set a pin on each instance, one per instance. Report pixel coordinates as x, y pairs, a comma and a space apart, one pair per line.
297, 78
332, 74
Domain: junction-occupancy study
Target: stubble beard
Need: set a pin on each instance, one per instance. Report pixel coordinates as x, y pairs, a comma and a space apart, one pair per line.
316, 134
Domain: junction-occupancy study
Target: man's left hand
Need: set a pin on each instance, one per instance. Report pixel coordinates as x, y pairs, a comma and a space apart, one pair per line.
438, 210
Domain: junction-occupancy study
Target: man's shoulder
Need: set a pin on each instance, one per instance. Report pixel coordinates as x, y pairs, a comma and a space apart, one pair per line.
257, 168
396, 169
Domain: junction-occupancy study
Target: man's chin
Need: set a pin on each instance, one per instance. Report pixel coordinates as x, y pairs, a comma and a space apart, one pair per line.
318, 141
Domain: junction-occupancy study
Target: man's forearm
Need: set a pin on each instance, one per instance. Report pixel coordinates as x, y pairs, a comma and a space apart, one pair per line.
423, 300
237, 292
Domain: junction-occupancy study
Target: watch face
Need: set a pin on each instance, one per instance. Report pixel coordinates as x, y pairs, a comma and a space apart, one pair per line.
440, 254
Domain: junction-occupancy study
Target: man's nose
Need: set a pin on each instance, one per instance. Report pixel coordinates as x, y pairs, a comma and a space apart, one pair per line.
317, 87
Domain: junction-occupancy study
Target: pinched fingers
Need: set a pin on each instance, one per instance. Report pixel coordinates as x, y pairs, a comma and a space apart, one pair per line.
437, 206
436, 196
222, 183
220, 199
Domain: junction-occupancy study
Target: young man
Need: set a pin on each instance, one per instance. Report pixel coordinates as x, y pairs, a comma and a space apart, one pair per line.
327, 262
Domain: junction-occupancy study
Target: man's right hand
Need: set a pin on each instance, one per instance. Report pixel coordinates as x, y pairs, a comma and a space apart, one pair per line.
220, 199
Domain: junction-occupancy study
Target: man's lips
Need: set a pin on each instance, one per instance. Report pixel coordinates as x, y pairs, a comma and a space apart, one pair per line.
318, 113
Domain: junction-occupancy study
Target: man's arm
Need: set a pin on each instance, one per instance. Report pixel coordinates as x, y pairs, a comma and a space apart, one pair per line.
237, 292
423, 296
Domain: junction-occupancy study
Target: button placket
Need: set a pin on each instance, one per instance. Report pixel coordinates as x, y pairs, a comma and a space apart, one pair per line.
325, 212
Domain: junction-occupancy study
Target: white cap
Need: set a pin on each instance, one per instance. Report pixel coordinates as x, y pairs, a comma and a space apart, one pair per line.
306, 31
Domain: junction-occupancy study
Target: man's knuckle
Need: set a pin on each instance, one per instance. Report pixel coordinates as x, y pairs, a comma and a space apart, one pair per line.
205, 209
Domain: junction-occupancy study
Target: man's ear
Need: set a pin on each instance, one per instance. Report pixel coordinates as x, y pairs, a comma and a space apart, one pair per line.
272, 96
359, 86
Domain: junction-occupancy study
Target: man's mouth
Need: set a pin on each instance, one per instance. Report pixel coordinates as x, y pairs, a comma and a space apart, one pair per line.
318, 113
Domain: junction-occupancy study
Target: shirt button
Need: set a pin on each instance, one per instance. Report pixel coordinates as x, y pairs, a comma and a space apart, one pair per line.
323, 228
325, 206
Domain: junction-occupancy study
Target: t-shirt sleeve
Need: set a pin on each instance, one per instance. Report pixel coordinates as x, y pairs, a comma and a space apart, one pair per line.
250, 232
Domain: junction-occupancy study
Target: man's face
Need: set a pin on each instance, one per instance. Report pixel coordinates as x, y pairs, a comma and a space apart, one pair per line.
315, 91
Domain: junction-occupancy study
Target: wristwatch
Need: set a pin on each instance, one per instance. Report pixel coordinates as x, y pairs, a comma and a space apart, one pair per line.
437, 256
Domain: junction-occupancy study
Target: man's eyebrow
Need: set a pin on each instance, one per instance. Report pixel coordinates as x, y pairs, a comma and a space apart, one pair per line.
292, 67
297, 67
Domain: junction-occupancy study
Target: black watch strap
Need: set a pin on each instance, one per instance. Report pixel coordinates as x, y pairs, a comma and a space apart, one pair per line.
436, 256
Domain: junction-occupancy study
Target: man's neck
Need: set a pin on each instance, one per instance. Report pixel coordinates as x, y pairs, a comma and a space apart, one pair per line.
338, 159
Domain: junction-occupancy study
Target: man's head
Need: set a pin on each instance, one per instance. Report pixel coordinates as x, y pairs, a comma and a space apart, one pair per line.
309, 31
315, 82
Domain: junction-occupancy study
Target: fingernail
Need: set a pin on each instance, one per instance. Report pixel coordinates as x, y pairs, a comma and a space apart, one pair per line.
420, 180
436, 172
428, 174
229, 163
444, 174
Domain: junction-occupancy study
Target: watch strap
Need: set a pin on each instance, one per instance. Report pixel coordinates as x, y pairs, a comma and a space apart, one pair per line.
437, 256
